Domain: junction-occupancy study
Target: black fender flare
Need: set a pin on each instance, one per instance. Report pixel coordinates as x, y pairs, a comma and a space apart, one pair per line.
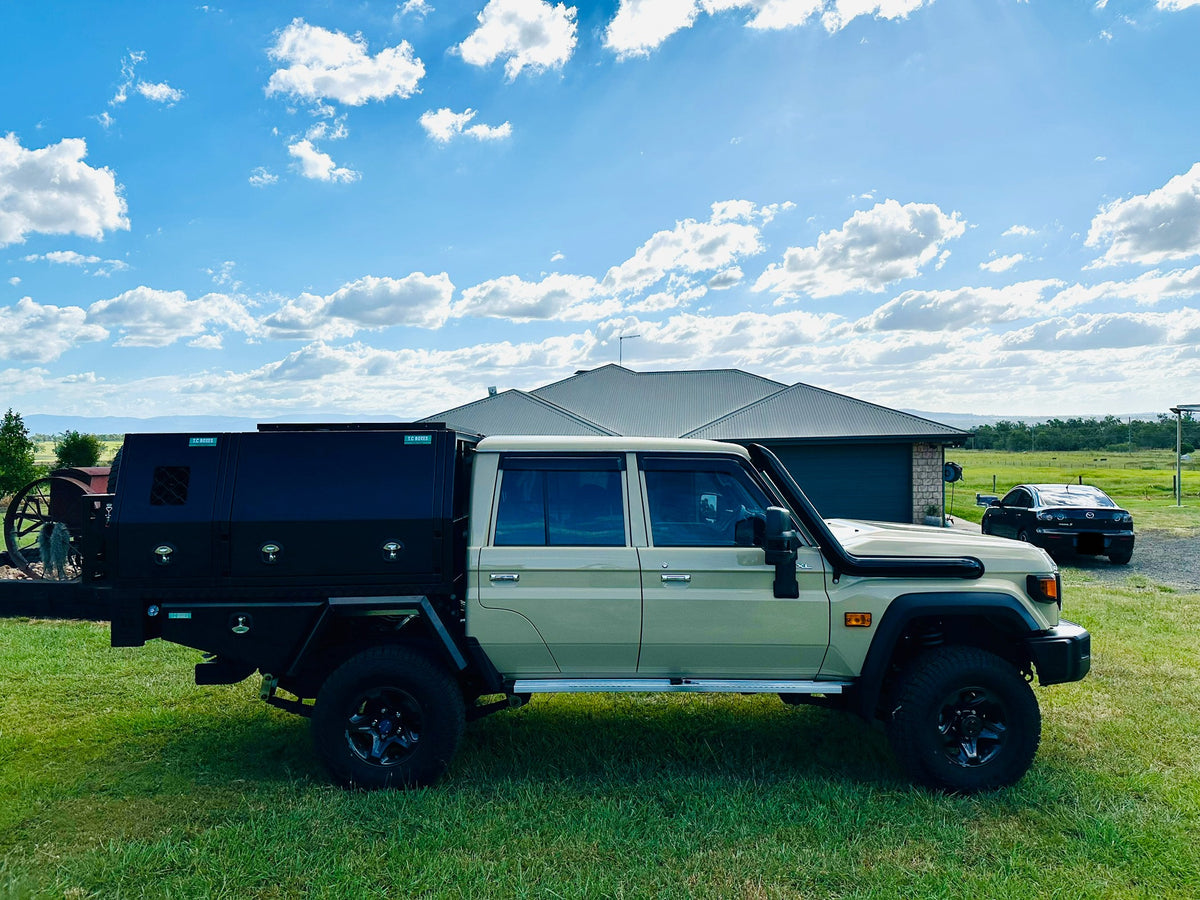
418, 606
1003, 609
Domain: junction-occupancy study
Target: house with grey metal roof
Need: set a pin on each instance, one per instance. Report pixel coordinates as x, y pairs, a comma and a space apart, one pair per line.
853, 458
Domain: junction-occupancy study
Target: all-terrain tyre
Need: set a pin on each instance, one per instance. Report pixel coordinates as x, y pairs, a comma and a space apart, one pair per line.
389, 717
964, 720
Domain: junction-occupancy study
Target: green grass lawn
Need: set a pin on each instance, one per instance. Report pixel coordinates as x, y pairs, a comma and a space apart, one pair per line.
1140, 482
120, 778
43, 452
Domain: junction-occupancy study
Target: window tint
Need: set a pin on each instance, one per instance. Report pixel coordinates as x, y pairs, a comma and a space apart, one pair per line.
1019, 498
707, 505
1078, 497
550, 507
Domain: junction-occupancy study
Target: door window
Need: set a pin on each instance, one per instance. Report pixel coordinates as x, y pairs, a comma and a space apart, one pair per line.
703, 503
551, 505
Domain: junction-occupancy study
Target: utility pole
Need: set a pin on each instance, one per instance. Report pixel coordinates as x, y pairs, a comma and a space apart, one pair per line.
621, 346
1179, 411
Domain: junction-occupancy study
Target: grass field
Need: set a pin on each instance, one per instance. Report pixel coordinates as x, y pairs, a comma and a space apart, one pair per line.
120, 778
43, 453
1141, 482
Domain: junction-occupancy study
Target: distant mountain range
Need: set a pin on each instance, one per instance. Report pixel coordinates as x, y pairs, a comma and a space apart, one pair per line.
41, 424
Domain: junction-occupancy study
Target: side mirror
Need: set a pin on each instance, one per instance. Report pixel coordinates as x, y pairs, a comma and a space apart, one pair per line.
995, 503
781, 544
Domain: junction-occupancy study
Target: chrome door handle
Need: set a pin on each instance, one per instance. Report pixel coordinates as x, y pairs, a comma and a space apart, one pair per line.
672, 579
504, 576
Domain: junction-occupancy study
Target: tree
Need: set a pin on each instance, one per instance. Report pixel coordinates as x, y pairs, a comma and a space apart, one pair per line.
17, 467
75, 449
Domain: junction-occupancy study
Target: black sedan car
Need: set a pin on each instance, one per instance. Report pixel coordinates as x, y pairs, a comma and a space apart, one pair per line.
1063, 517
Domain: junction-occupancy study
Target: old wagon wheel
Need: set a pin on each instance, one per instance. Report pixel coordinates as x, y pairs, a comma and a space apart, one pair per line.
32, 532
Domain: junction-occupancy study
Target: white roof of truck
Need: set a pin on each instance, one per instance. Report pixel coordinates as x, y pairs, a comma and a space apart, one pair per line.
559, 443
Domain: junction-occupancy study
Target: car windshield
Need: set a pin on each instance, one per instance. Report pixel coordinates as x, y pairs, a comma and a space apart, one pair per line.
1065, 497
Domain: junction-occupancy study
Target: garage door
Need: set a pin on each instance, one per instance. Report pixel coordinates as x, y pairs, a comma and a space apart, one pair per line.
854, 481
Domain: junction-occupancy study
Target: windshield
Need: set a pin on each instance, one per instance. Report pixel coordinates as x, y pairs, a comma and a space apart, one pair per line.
1066, 497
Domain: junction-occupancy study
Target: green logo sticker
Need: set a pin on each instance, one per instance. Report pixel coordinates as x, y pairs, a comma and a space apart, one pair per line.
202, 442
418, 439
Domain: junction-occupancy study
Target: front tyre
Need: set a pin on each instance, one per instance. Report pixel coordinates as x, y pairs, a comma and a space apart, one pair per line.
964, 720
388, 718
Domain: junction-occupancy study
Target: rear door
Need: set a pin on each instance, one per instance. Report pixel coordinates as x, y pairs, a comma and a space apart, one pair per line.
709, 607
560, 556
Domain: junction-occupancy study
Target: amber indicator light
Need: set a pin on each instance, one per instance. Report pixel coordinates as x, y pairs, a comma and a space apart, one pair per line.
1049, 588
858, 620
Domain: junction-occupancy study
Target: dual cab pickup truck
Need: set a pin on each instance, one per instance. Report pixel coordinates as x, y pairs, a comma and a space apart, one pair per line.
410, 578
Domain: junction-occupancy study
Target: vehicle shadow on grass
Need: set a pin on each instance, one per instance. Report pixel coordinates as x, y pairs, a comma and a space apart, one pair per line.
617, 740
633, 740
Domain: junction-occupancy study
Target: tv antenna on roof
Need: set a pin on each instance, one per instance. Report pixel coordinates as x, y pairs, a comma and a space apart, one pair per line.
621, 346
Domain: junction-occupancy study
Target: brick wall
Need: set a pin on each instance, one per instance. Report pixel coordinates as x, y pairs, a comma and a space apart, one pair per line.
927, 462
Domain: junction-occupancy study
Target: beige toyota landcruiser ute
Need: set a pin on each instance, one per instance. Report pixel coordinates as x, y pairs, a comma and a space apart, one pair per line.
472, 574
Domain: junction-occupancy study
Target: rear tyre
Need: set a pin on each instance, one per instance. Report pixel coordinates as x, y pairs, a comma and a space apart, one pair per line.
388, 718
1120, 557
964, 720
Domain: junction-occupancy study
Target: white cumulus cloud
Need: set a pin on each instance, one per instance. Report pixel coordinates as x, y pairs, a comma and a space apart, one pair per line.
1150, 228
369, 303
562, 297
31, 332
640, 26
318, 165
51, 190
1002, 263
160, 92
320, 65
444, 125
261, 177
872, 249
969, 307
692, 247
148, 317
529, 34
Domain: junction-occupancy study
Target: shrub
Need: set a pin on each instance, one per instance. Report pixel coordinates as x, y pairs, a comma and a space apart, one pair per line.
75, 449
17, 467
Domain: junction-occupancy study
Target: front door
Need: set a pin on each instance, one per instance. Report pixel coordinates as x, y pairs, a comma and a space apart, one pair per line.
709, 607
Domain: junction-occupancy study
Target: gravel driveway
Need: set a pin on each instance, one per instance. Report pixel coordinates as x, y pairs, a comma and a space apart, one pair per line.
1159, 556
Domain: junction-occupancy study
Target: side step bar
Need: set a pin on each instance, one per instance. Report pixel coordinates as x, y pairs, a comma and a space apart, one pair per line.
676, 685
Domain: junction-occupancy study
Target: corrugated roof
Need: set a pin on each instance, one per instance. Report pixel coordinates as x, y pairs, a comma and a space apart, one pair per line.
516, 412
803, 411
656, 404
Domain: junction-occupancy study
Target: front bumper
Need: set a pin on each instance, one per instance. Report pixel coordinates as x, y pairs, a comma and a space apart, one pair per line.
1061, 654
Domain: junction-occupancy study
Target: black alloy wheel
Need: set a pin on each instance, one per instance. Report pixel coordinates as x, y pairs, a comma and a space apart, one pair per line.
964, 720
385, 727
972, 725
389, 717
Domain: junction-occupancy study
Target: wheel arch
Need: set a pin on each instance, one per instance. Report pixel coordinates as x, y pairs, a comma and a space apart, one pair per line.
918, 621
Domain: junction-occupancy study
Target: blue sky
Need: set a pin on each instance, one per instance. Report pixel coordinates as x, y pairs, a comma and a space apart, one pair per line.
269, 209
